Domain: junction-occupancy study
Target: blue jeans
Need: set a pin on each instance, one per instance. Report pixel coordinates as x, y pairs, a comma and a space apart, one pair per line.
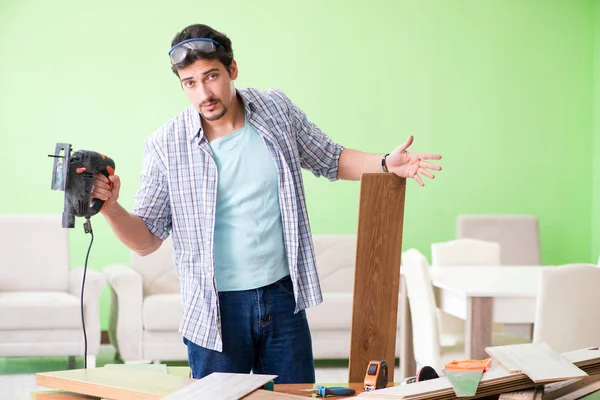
261, 334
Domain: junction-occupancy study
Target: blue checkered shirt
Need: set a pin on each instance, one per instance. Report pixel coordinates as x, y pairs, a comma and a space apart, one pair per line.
178, 196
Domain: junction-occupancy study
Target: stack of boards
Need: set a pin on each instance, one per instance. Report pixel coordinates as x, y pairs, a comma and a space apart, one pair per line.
514, 368
119, 384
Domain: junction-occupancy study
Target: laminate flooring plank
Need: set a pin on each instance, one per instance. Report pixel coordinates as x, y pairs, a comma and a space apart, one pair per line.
221, 386
537, 361
113, 383
377, 273
269, 395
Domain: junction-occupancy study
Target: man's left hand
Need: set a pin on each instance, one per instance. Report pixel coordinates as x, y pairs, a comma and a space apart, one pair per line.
411, 165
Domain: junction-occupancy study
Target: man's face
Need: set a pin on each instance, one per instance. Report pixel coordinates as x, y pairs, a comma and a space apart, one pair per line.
209, 87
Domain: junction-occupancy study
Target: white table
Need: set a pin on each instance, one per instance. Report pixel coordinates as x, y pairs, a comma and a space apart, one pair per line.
481, 295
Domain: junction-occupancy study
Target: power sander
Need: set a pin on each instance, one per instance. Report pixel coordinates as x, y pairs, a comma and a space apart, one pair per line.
74, 174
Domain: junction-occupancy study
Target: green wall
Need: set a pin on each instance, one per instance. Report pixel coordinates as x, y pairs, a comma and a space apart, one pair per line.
503, 89
596, 141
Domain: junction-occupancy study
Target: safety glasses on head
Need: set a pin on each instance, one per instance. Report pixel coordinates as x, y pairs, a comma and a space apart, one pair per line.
180, 50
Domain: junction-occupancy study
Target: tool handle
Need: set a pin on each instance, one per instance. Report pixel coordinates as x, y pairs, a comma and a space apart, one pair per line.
469, 365
107, 170
339, 391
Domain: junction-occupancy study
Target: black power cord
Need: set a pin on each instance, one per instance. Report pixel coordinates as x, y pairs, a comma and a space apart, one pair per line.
87, 226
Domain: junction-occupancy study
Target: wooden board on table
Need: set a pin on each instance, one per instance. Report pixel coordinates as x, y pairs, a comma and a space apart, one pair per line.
377, 273
220, 385
536, 360
495, 381
268, 395
60, 395
113, 383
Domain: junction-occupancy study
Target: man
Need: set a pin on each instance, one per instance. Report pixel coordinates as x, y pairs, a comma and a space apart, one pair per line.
224, 179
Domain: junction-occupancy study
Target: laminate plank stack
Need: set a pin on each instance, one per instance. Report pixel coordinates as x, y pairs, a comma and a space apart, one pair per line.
495, 381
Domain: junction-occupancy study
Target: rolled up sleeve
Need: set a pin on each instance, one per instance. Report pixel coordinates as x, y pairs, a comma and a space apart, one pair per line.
318, 152
151, 201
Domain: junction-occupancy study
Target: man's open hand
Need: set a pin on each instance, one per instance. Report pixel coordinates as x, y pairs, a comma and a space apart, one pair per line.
411, 165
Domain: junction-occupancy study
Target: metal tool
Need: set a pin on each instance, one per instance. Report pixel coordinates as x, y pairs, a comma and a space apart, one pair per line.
465, 375
376, 376
322, 391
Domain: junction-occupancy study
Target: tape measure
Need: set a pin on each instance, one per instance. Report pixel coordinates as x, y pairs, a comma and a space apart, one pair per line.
376, 376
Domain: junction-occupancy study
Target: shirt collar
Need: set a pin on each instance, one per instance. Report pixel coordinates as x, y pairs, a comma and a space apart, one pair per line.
195, 130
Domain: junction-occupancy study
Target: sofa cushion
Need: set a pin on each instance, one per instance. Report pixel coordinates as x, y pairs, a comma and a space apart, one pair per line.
35, 253
162, 312
157, 270
336, 257
39, 310
334, 313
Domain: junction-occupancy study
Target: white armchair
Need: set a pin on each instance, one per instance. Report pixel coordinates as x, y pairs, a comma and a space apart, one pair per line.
40, 311
146, 308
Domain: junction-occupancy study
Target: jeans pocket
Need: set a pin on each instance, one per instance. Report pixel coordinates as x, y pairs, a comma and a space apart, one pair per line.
286, 285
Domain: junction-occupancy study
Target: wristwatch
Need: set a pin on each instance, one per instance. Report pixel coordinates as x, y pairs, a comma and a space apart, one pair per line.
383, 166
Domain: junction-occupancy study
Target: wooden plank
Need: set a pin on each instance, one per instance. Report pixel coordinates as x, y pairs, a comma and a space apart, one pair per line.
575, 387
528, 394
112, 383
220, 385
55, 395
479, 326
536, 360
268, 395
377, 274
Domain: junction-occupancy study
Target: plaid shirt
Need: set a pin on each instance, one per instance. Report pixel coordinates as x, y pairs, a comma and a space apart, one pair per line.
178, 195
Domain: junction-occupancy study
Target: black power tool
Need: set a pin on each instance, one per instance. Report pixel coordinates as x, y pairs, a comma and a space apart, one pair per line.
74, 174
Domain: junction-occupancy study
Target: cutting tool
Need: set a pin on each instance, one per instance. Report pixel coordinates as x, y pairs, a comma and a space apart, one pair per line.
322, 391
465, 375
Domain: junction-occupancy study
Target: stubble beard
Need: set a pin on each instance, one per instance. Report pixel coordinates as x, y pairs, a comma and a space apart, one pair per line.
215, 117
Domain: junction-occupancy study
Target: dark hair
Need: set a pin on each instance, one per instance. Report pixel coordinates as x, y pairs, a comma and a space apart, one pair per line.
224, 52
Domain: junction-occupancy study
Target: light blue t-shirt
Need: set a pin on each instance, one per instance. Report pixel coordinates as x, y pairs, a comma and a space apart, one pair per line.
249, 249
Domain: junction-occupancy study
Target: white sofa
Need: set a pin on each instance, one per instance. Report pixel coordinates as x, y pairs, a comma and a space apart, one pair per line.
331, 322
146, 307
40, 311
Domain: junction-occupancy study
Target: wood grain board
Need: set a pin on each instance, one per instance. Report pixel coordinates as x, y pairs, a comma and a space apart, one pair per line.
113, 383
52, 395
495, 381
529, 394
268, 395
574, 389
536, 360
219, 385
377, 273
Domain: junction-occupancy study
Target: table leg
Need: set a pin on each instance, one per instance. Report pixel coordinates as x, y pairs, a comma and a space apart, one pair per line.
408, 366
478, 327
